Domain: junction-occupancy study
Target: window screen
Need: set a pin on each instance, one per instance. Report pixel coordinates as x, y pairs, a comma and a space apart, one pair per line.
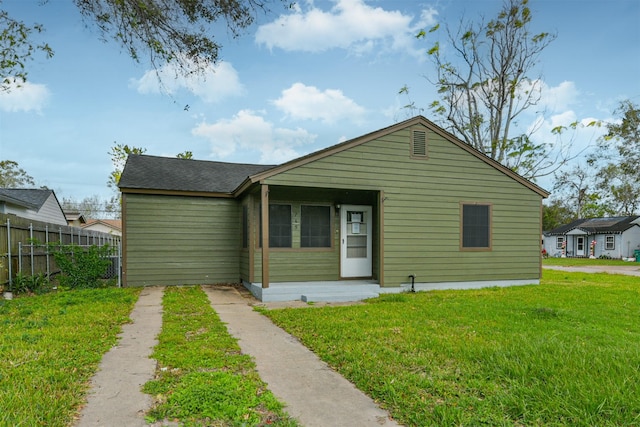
280, 226
476, 226
315, 230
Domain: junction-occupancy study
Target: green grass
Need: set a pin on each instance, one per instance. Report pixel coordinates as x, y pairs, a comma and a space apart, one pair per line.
564, 353
586, 261
202, 377
50, 346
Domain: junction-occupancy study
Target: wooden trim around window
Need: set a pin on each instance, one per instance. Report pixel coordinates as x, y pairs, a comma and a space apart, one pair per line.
479, 249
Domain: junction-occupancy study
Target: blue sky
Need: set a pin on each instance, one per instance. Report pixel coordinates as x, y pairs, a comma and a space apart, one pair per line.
297, 81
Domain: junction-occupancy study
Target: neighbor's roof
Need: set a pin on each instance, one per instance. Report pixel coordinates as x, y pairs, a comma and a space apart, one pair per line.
113, 223
143, 172
31, 198
616, 224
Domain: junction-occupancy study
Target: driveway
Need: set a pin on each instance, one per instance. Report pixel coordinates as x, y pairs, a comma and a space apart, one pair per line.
633, 269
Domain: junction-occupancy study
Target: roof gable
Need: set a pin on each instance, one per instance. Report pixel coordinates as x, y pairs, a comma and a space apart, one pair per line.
116, 224
30, 198
418, 120
143, 172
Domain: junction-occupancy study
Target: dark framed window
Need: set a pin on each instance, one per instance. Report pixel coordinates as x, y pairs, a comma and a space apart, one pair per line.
315, 228
245, 227
279, 226
476, 226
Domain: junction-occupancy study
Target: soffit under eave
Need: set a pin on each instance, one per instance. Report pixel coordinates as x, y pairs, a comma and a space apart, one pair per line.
175, 193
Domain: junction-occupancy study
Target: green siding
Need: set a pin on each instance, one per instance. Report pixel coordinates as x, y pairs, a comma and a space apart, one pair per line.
172, 240
422, 210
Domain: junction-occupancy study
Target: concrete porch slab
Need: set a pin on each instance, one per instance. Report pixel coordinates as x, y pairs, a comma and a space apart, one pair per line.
329, 291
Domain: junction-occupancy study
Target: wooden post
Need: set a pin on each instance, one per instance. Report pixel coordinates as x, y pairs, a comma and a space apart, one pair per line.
265, 234
381, 199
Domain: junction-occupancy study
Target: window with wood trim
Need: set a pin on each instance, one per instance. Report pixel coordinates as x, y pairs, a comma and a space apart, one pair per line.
476, 226
279, 226
559, 242
315, 227
609, 243
419, 144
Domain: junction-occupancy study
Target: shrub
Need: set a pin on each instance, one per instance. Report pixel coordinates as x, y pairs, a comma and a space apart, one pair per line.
36, 284
82, 267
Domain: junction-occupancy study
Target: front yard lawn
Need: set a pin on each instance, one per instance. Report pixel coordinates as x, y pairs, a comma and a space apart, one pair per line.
50, 347
566, 352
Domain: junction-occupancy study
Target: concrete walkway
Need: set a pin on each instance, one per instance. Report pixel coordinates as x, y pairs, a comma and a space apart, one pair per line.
115, 398
313, 393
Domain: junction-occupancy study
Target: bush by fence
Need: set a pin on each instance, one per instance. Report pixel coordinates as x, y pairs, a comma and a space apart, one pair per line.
27, 247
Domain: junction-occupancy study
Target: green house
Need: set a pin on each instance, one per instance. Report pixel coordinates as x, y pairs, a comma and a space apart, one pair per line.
406, 207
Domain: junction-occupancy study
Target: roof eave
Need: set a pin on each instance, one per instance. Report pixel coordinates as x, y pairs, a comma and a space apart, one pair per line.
126, 190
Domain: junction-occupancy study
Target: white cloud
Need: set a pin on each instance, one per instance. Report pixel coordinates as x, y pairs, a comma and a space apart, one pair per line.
248, 131
309, 103
25, 97
559, 98
215, 83
350, 24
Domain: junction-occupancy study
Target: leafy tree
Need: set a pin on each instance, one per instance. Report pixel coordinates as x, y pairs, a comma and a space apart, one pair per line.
618, 158
578, 190
181, 32
16, 49
13, 176
185, 155
119, 154
487, 85
555, 214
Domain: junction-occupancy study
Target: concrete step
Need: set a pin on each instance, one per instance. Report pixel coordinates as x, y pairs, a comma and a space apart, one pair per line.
338, 296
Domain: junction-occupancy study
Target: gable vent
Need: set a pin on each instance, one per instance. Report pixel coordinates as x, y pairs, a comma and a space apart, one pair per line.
419, 143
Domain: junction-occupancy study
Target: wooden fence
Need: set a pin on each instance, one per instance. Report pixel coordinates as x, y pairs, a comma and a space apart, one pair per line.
24, 245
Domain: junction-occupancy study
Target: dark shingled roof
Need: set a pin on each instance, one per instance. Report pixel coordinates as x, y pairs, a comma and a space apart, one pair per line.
145, 172
616, 224
32, 198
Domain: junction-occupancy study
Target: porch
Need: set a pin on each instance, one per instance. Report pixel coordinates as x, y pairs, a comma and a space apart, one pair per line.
325, 291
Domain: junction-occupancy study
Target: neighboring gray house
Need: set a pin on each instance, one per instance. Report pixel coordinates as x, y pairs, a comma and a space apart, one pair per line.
32, 203
616, 237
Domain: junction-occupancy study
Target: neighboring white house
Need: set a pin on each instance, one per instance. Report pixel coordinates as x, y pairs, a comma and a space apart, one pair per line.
111, 226
32, 203
615, 237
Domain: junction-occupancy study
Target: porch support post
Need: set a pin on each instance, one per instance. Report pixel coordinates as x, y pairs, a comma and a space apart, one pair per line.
381, 199
264, 194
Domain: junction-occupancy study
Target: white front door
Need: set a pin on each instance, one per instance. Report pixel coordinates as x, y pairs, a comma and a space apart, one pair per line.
579, 246
355, 241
